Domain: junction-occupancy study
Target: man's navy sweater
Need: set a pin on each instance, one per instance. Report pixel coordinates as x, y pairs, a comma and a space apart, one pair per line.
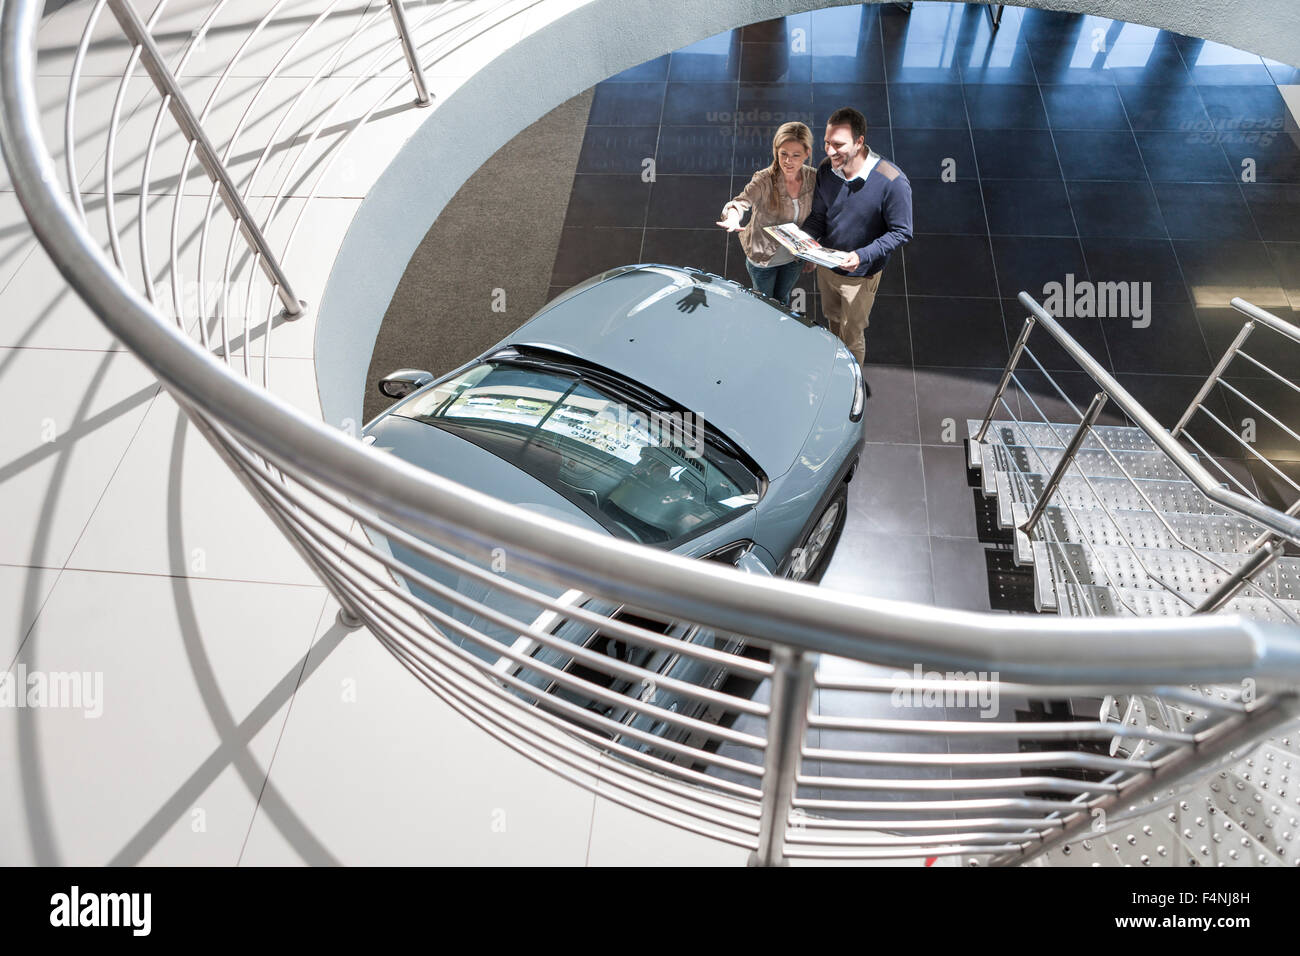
871, 216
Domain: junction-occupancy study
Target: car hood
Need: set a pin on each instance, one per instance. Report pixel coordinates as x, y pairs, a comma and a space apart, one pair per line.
751, 370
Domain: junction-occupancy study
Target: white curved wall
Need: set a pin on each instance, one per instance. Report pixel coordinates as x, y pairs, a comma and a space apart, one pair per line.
574, 51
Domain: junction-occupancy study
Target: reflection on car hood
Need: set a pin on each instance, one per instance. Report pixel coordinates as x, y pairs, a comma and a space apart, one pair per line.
752, 371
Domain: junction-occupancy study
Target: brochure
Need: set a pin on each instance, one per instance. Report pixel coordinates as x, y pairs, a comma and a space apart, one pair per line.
805, 246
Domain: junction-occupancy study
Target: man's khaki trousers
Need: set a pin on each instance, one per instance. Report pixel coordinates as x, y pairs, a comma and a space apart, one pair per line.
846, 303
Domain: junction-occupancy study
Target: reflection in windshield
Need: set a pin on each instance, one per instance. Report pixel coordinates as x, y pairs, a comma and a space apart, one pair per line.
645, 475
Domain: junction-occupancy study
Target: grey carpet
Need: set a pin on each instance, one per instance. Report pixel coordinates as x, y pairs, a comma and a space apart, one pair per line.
499, 232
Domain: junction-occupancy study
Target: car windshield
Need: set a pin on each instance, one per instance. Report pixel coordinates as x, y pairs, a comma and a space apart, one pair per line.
648, 475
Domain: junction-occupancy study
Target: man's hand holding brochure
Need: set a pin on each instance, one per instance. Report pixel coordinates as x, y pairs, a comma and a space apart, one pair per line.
806, 247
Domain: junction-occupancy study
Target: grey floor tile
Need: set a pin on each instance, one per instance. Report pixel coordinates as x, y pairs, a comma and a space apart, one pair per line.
881, 565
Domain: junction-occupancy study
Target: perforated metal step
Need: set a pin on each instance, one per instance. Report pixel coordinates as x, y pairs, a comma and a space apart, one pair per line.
1261, 796
1116, 437
1092, 462
1122, 537
1245, 815
1194, 831
1142, 529
1094, 851
1151, 844
1089, 601
1193, 576
1080, 493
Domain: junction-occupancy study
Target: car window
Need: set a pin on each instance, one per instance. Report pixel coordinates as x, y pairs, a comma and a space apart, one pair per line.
647, 475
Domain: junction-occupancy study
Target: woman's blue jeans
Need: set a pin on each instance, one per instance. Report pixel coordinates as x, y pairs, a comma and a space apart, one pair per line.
775, 282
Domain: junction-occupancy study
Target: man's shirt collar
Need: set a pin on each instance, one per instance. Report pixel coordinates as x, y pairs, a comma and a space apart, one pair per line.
870, 164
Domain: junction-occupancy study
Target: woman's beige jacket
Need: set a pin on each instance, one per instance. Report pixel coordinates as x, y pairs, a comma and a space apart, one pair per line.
758, 245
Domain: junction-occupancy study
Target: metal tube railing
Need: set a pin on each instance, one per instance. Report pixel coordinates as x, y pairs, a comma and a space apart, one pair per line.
1284, 525
422, 97
1224, 360
815, 621
792, 685
1256, 314
314, 482
889, 632
1072, 449
1005, 380
185, 117
1044, 502
1234, 584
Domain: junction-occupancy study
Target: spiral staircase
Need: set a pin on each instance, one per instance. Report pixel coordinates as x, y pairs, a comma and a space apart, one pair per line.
1149, 722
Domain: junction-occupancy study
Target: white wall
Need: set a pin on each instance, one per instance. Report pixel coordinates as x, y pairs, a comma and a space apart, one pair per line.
575, 51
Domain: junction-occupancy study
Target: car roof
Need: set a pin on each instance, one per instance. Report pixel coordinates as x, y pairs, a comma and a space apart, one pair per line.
752, 370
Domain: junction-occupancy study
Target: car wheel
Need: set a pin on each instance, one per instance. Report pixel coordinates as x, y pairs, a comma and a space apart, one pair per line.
813, 555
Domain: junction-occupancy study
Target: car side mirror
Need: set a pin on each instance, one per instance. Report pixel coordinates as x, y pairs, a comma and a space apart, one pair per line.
403, 382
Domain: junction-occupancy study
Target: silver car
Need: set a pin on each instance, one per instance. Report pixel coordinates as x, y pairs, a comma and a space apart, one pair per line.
662, 405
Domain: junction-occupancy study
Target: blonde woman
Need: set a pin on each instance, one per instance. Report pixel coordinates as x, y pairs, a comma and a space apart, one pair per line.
780, 193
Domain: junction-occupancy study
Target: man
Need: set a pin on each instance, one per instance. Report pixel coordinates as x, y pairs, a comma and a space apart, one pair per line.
862, 205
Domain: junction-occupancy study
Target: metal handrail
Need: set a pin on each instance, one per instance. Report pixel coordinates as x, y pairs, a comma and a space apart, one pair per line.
1283, 524
812, 619
266, 441
1240, 579
1233, 579
1263, 317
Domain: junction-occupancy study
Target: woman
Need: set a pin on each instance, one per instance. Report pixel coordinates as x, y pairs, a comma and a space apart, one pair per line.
780, 193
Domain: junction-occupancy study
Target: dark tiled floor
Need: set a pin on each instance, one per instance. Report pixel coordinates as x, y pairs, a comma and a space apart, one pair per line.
1034, 153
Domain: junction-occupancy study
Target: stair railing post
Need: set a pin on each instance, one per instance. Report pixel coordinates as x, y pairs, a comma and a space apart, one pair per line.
1208, 384
1266, 536
792, 684
165, 82
422, 97
1258, 561
1016, 351
1072, 449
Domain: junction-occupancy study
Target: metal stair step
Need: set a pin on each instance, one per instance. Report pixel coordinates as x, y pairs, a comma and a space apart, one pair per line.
1219, 534
1223, 833
1093, 462
1091, 601
1098, 493
1044, 580
1244, 815
1206, 836
1094, 851
1144, 844
1042, 435
1121, 537
1192, 576
1260, 797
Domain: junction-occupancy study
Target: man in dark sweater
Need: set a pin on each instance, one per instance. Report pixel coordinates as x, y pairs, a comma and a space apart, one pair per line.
862, 205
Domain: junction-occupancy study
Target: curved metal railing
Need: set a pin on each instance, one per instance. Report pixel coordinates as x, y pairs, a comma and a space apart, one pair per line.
689, 691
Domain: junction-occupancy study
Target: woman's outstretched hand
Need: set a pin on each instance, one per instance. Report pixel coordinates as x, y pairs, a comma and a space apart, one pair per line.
731, 221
